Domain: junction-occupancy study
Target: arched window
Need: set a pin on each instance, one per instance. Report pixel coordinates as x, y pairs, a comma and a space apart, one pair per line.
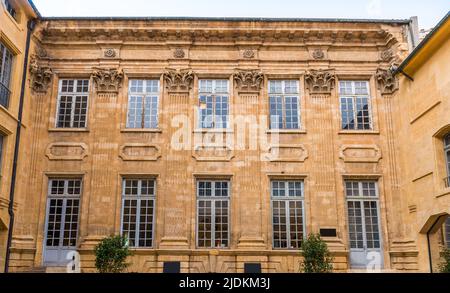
447, 156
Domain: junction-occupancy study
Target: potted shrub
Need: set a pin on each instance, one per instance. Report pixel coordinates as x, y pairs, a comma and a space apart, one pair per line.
111, 254
317, 257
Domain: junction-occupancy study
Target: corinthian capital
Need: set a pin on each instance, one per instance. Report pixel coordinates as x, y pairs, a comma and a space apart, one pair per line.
178, 80
248, 80
40, 76
107, 80
387, 81
320, 81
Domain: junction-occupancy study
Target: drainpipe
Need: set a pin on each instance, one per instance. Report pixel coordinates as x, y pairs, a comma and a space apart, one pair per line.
30, 27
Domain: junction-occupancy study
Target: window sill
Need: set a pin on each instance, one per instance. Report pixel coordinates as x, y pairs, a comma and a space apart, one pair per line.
214, 130
286, 131
68, 130
444, 193
359, 132
141, 130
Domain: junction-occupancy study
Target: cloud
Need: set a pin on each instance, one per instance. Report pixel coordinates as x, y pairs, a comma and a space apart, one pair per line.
374, 8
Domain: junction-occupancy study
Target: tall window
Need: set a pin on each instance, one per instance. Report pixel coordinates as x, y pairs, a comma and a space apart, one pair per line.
63, 209
1, 155
447, 156
213, 103
363, 219
138, 211
213, 214
288, 214
355, 105
6, 59
143, 104
284, 104
10, 8
72, 103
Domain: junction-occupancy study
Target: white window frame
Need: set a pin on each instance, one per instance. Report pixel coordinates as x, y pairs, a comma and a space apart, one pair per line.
6, 71
65, 196
73, 95
138, 199
354, 97
214, 93
287, 199
213, 200
361, 198
283, 94
447, 153
9, 7
144, 95
2, 151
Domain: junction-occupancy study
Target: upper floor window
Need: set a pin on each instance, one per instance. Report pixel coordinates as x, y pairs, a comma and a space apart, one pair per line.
138, 211
284, 104
447, 156
355, 105
213, 103
143, 104
10, 8
287, 214
1, 155
213, 214
72, 103
6, 59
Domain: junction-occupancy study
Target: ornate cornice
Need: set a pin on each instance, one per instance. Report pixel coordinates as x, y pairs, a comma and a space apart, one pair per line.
320, 81
387, 81
248, 80
178, 80
107, 80
40, 76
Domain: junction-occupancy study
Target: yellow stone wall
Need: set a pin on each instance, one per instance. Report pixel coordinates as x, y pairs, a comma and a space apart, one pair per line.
13, 33
424, 105
320, 153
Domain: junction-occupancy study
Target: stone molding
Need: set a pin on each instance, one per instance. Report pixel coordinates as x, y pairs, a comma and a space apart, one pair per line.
387, 81
67, 151
248, 81
178, 80
320, 81
107, 80
40, 76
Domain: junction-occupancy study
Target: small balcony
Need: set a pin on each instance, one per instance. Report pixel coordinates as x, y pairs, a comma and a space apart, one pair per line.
4, 95
447, 182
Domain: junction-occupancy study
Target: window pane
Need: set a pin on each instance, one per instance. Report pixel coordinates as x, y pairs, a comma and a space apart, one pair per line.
135, 105
363, 113
296, 224
355, 224
291, 113
65, 112
275, 87
348, 121
80, 112
279, 224
276, 113
221, 112
206, 111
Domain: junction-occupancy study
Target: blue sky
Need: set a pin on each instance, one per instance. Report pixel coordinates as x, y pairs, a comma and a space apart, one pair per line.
429, 12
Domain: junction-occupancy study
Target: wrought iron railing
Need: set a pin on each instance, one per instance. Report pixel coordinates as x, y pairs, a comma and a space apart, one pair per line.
4, 95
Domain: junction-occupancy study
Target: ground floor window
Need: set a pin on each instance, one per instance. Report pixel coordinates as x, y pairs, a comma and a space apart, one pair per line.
287, 214
138, 211
213, 214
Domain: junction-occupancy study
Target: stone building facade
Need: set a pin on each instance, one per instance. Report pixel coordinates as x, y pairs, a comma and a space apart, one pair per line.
213, 143
14, 24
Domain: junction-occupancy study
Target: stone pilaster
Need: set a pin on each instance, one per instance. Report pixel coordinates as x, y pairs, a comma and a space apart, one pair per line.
177, 186
248, 86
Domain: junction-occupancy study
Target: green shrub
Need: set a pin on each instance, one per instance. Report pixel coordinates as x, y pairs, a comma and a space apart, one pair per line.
445, 264
111, 254
317, 257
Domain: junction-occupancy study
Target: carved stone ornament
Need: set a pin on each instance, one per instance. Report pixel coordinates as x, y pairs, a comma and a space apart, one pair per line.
248, 54
387, 55
178, 80
320, 81
107, 80
40, 76
110, 53
248, 80
179, 53
318, 54
387, 81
